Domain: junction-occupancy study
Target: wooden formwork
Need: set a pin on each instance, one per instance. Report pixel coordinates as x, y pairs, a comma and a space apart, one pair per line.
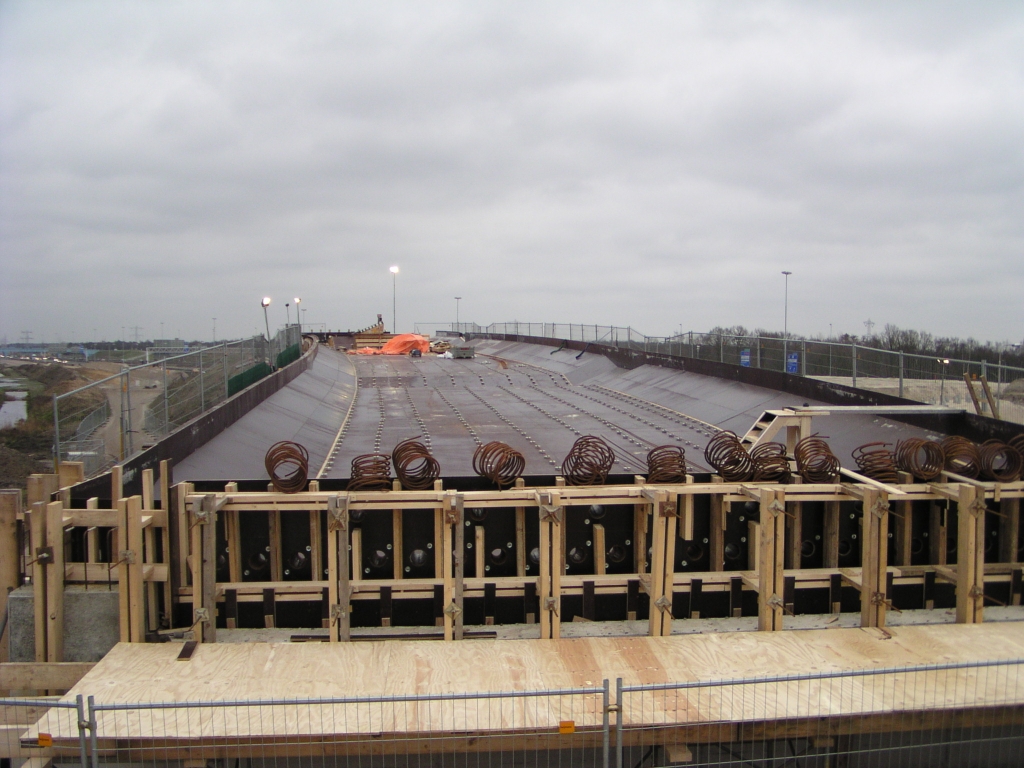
665, 510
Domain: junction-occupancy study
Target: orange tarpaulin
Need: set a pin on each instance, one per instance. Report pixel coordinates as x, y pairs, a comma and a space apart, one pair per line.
402, 344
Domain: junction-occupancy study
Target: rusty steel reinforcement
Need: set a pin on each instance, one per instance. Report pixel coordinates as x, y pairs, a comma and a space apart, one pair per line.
287, 464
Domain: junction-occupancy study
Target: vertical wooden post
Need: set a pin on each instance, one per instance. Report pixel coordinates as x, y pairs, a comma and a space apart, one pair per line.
970, 563
684, 506
208, 526
640, 516
904, 525
37, 527
716, 535
453, 554
116, 485
663, 564
149, 536
937, 528
794, 534
459, 562
397, 558
599, 550
276, 553
552, 563
70, 473
130, 570
92, 535
1009, 530
520, 534
444, 555
874, 561
233, 538
480, 551
55, 582
165, 536
10, 507
339, 590
195, 530
316, 564
771, 559
830, 535
120, 557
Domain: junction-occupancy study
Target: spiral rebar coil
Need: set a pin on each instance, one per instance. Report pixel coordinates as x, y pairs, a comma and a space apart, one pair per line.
815, 461
287, 464
666, 464
962, 456
924, 459
415, 467
371, 472
771, 465
999, 461
876, 461
1017, 441
499, 463
588, 462
729, 458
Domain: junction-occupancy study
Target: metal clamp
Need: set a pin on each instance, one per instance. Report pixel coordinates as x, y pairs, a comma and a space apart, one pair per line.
200, 614
664, 605
337, 513
776, 507
668, 509
44, 555
452, 610
880, 508
126, 556
978, 507
453, 510
775, 601
551, 604
338, 613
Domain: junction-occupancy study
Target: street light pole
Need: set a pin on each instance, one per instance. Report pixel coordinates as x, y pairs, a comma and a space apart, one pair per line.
298, 320
942, 382
394, 299
785, 326
266, 303
457, 300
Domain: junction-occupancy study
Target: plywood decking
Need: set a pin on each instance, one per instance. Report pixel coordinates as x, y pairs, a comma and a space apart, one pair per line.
133, 673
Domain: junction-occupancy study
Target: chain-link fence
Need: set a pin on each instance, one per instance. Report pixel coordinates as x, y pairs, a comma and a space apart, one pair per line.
36, 730
946, 714
112, 419
924, 378
966, 713
561, 727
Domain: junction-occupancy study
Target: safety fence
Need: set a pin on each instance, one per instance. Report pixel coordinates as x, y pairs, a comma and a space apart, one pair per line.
112, 419
969, 713
931, 379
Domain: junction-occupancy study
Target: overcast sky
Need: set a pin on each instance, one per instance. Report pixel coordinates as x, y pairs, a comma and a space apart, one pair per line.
647, 164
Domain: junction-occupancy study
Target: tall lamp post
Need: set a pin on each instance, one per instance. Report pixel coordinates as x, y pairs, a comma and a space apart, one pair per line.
287, 315
457, 300
298, 320
944, 362
785, 326
394, 299
266, 303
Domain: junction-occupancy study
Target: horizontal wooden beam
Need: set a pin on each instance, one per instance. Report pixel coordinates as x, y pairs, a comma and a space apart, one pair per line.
41, 676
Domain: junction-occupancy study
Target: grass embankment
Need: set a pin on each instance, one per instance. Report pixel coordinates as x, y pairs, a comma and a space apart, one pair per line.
27, 447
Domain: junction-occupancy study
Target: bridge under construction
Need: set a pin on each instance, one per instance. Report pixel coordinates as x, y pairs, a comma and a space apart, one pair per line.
659, 521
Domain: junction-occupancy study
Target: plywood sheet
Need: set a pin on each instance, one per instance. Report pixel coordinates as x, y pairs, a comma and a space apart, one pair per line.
258, 672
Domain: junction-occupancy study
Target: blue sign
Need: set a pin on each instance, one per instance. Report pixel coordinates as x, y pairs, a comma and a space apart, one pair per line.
792, 362
745, 358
